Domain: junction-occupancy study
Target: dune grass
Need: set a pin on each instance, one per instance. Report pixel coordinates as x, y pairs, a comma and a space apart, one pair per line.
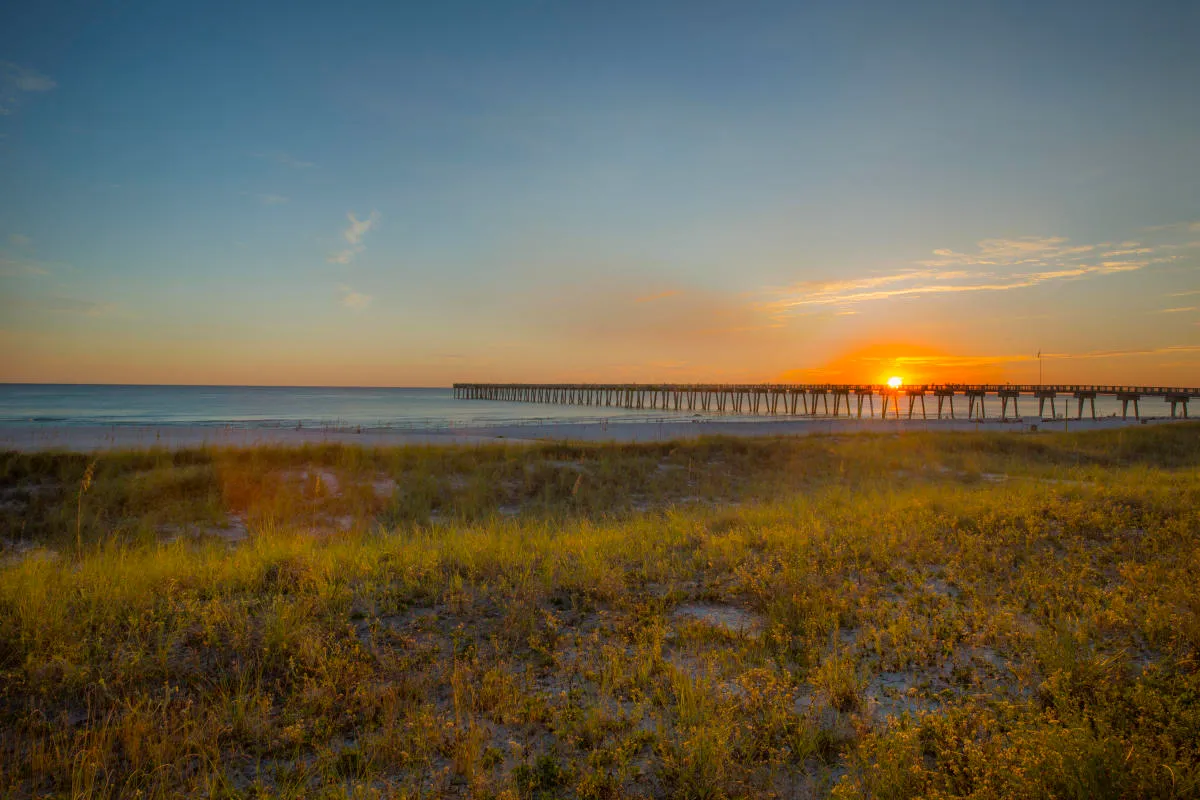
958, 615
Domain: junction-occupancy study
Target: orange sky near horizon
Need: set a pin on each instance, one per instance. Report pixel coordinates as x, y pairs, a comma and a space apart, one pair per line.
276, 363
1125, 327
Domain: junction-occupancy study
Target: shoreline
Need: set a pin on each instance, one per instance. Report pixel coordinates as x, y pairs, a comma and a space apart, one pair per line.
39, 437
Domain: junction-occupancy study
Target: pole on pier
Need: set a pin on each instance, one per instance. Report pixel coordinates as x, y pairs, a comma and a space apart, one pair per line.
1005, 396
1081, 397
972, 397
1178, 400
1126, 397
1043, 396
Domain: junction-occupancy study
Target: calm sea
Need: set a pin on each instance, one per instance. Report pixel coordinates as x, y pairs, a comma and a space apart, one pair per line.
264, 406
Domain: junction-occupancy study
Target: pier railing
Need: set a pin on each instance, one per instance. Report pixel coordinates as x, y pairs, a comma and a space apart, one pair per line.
795, 399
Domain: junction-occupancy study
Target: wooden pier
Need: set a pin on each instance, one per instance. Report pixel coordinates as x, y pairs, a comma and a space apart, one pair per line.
829, 400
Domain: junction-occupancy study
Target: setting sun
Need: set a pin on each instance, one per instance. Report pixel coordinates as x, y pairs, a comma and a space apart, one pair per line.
895, 382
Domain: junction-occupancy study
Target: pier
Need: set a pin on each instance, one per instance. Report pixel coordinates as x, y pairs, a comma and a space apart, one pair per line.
829, 400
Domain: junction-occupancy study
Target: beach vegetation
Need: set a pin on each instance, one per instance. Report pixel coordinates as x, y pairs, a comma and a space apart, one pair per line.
936, 615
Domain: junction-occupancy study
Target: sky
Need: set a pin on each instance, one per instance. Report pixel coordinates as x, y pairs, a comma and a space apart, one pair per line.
411, 194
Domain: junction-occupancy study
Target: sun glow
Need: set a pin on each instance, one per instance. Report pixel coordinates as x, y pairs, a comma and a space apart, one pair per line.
895, 382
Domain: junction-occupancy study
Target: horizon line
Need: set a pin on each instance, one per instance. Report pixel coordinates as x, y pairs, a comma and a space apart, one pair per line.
218, 385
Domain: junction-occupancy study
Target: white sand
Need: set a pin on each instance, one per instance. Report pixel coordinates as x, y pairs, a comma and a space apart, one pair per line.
34, 436
51, 436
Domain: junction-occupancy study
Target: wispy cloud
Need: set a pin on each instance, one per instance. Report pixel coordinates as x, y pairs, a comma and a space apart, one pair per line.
1177, 310
1016, 358
1188, 293
834, 292
285, 159
996, 265
356, 301
851, 294
19, 240
649, 298
1134, 251
1150, 351
22, 267
1194, 227
353, 235
1010, 252
358, 228
17, 81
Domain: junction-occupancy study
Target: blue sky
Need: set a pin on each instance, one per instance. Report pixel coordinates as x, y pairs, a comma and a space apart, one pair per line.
420, 193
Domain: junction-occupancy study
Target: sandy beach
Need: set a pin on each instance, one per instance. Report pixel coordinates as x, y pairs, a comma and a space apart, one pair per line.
29, 437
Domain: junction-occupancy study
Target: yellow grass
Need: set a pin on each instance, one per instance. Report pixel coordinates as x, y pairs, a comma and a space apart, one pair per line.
870, 616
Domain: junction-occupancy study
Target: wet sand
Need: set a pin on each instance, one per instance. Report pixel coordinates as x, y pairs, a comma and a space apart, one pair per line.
49, 436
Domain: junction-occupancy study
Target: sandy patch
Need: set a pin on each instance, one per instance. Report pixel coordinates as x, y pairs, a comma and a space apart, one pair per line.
318, 479
727, 618
233, 532
384, 487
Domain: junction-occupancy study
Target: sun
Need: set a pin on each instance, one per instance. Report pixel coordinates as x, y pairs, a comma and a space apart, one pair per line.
895, 382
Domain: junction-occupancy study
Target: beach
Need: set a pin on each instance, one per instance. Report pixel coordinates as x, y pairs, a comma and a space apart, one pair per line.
37, 436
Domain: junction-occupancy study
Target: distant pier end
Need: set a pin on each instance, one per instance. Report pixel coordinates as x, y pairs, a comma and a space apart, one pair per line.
796, 399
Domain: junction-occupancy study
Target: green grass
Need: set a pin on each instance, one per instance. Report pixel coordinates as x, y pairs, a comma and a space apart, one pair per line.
962, 615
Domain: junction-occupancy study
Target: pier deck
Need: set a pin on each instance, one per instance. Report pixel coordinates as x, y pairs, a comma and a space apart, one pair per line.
834, 400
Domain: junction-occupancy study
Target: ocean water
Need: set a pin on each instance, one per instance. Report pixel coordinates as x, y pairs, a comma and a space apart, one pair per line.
428, 409
289, 406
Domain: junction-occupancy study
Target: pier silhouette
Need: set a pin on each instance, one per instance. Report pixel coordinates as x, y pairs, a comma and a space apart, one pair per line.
833, 400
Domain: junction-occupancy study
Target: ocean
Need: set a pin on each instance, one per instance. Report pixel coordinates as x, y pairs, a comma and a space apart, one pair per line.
326, 407
285, 406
